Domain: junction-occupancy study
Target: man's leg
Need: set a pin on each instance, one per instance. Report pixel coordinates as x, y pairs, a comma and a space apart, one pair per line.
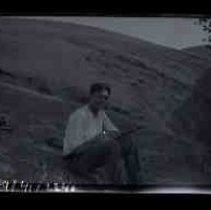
84, 161
131, 159
91, 156
114, 164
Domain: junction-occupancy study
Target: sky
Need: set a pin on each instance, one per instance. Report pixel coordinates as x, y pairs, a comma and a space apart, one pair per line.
175, 32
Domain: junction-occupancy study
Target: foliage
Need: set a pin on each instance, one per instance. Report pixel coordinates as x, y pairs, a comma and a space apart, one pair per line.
205, 23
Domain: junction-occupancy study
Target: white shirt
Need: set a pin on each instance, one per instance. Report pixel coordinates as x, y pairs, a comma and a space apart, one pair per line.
84, 126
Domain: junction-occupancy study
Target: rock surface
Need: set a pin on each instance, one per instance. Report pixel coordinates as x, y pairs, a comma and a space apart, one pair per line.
45, 72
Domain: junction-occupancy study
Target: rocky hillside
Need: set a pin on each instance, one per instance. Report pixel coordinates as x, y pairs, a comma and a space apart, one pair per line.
45, 72
200, 51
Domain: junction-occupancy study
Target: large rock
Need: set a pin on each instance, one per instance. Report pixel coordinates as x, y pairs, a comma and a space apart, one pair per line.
192, 122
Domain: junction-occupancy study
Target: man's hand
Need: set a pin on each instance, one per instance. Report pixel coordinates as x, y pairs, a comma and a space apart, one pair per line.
111, 135
108, 135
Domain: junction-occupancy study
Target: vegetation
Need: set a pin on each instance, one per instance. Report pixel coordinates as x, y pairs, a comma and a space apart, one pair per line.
205, 23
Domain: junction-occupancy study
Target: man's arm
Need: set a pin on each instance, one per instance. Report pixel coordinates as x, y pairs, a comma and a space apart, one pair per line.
109, 128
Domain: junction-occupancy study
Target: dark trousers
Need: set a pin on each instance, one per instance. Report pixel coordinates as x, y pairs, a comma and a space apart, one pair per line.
98, 155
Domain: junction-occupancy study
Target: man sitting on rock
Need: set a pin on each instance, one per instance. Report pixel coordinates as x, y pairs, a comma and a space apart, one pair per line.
89, 143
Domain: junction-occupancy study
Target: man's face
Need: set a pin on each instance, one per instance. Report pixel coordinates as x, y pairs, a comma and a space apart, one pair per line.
100, 99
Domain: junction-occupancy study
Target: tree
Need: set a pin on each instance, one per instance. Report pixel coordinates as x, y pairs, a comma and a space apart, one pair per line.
205, 23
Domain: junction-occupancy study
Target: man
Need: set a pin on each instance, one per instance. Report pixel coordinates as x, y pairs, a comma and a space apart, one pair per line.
89, 142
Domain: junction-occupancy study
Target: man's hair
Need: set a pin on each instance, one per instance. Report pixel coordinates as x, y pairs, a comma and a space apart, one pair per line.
98, 87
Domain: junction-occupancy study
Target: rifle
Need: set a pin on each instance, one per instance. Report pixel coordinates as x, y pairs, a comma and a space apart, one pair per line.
53, 142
